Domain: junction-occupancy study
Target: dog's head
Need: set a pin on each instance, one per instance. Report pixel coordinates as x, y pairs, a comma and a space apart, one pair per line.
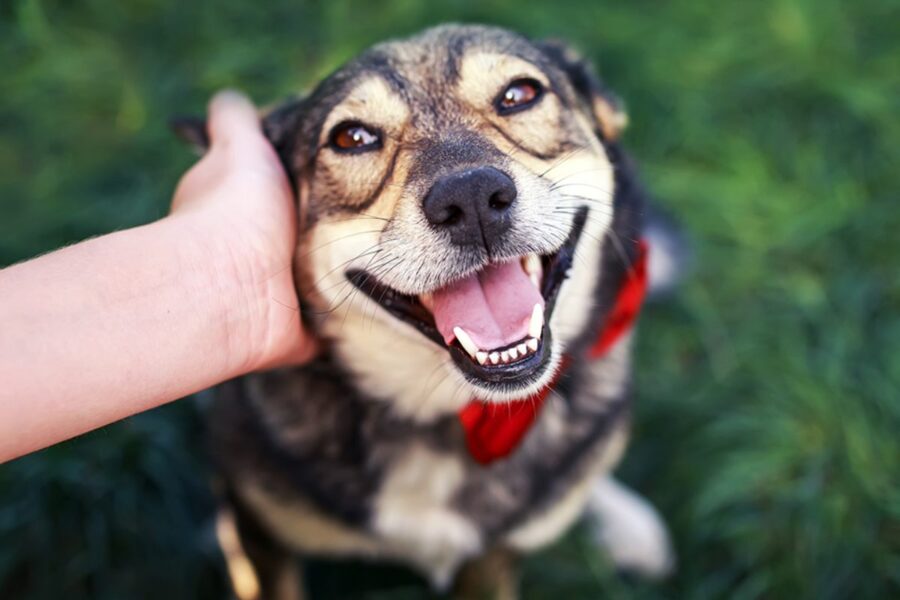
455, 189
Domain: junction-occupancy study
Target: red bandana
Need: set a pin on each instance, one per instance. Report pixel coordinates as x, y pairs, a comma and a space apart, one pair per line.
493, 430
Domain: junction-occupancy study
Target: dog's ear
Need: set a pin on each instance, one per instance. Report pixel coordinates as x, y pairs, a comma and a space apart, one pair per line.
282, 126
606, 108
191, 130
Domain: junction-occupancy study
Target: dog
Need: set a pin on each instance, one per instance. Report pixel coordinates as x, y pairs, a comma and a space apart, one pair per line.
473, 258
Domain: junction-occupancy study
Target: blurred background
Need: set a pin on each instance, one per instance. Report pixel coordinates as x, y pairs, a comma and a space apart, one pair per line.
768, 416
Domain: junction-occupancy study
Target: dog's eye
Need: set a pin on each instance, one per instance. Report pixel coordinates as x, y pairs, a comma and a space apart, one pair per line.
354, 137
519, 95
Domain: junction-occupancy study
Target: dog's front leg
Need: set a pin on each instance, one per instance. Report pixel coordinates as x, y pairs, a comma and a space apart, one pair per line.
258, 567
629, 529
493, 575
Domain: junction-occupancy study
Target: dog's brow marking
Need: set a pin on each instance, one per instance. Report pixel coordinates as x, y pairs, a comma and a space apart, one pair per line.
484, 72
380, 64
372, 96
384, 180
563, 146
569, 155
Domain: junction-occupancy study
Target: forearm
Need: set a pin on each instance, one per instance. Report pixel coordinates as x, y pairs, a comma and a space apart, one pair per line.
116, 325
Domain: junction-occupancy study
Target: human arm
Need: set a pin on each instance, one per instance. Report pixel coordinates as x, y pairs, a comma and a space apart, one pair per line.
121, 323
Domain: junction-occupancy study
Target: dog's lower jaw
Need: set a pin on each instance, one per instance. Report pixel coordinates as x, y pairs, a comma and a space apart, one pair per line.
430, 386
501, 394
422, 389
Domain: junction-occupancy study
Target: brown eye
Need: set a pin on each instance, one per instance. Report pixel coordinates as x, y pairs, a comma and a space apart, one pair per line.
354, 137
519, 95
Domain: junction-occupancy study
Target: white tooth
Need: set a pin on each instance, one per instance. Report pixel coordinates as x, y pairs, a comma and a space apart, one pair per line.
495, 357
523, 350
514, 353
481, 357
537, 321
532, 344
532, 264
504, 356
465, 341
427, 301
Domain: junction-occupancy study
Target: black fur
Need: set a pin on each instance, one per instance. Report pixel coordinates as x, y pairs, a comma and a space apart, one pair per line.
334, 468
312, 433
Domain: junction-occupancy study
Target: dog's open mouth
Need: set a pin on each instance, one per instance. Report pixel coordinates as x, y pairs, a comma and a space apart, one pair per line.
493, 322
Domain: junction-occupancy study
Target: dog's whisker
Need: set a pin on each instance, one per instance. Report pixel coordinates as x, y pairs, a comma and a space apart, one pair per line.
371, 272
387, 280
566, 157
371, 250
333, 307
588, 186
336, 240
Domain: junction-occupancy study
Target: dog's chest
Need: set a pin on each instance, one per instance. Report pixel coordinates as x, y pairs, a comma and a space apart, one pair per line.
328, 473
434, 508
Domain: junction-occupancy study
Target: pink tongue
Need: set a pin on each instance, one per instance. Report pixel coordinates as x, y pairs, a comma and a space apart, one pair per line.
493, 306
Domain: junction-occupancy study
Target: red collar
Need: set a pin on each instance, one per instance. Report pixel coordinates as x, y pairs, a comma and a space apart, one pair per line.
494, 430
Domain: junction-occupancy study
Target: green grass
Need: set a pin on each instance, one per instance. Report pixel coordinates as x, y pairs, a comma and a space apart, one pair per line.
768, 418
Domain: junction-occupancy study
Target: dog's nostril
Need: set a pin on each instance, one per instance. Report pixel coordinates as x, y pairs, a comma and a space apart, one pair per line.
472, 206
452, 215
499, 201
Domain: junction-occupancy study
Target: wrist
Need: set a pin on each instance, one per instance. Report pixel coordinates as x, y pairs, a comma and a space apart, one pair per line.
236, 281
250, 290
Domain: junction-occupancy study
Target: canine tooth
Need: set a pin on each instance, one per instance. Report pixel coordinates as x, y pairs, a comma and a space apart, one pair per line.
532, 344
522, 348
504, 356
514, 353
481, 357
495, 357
427, 301
465, 341
537, 321
532, 266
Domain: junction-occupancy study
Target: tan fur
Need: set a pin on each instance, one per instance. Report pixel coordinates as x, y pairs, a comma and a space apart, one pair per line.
354, 177
357, 322
244, 579
543, 528
368, 215
492, 576
613, 119
301, 527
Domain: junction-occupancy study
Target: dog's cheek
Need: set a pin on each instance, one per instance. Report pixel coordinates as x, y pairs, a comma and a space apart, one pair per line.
345, 182
586, 180
331, 247
308, 261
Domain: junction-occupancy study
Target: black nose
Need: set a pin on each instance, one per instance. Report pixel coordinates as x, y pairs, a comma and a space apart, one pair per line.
472, 205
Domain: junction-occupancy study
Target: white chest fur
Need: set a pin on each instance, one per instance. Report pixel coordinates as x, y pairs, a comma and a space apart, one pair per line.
414, 516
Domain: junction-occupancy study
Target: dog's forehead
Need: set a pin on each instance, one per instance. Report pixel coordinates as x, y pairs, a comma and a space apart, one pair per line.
431, 63
437, 55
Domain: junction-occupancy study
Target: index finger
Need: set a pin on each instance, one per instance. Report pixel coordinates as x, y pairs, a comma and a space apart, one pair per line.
232, 116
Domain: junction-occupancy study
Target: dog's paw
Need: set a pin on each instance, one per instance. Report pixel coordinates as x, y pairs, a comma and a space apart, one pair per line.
669, 258
630, 530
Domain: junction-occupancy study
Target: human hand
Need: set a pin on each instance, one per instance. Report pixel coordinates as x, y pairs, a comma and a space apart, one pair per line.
239, 205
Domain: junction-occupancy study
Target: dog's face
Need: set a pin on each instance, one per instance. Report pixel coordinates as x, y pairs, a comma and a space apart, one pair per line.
455, 192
